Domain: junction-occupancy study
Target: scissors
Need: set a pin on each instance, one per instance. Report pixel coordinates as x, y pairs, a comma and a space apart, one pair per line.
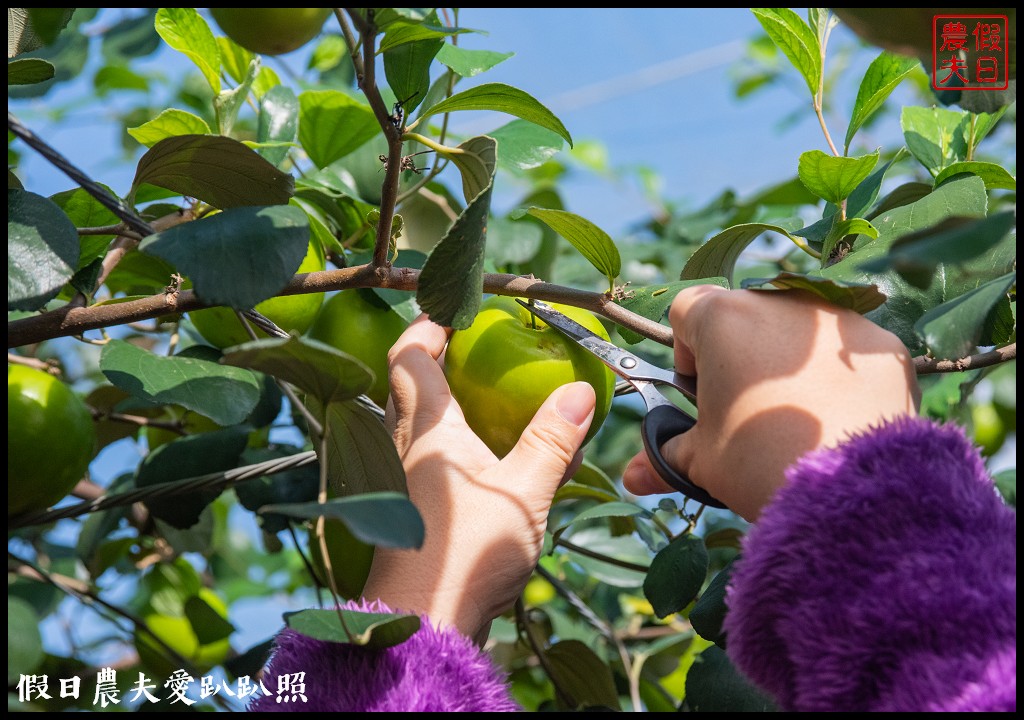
664, 419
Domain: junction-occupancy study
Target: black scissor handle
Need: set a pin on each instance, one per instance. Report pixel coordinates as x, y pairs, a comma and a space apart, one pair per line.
660, 424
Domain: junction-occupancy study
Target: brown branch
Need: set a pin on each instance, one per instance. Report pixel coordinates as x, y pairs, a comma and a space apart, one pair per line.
67, 321
928, 366
350, 41
47, 366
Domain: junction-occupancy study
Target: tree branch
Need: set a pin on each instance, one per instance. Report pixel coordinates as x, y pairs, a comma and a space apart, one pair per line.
929, 366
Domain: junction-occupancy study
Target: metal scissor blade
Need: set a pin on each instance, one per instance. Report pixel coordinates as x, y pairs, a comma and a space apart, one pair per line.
622, 362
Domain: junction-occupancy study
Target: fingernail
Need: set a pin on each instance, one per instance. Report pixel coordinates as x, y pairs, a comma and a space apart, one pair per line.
576, 403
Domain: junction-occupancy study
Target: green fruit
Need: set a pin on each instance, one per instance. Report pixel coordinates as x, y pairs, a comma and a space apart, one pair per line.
271, 31
295, 313
177, 632
503, 367
359, 323
50, 439
989, 430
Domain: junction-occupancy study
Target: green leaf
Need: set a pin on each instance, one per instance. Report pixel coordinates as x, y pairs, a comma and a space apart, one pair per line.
217, 170
861, 199
955, 240
115, 77
169, 123
227, 103
226, 395
234, 58
333, 124
29, 71
298, 485
953, 329
238, 257
42, 250
86, 211
185, 458
451, 282
385, 519
883, 75
624, 547
512, 243
401, 301
609, 509
713, 684
24, 643
841, 229
48, 22
859, 297
593, 243
326, 373
265, 81
936, 137
582, 675
400, 32
187, 32
985, 122
676, 575
717, 257
709, 611
407, 68
361, 455
208, 624
375, 631
501, 98
996, 177
476, 159
834, 178
278, 122
904, 194
523, 145
1006, 484
653, 301
131, 38
796, 40
468, 63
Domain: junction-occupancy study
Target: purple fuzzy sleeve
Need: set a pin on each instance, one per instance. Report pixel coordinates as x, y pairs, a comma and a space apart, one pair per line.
883, 577
433, 671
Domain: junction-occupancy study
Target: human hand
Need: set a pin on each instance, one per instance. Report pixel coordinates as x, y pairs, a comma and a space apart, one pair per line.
484, 518
779, 374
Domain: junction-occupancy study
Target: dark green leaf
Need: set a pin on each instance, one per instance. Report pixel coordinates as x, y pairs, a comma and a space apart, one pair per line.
86, 211
251, 661
29, 71
863, 197
361, 456
297, 485
407, 68
115, 77
512, 243
131, 38
48, 22
714, 685
375, 631
208, 624
676, 575
185, 458
796, 40
42, 250
451, 282
321, 370
333, 124
501, 98
954, 240
859, 297
834, 178
68, 54
605, 510
653, 301
936, 137
217, 170
523, 145
278, 122
186, 31
1006, 484
883, 75
904, 194
226, 395
386, 519
996, 177
717, 257
582, 675
468, 63
401, 32
24, 643
238, 257
953, 329
709, 611
593, 243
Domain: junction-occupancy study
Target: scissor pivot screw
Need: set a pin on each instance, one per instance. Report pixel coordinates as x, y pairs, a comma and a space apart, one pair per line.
627, 363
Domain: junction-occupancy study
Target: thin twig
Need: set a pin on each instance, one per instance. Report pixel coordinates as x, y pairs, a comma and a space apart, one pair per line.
139, 420
47, 366
625, 564
317, 584
524, 622
928, 366
350, 41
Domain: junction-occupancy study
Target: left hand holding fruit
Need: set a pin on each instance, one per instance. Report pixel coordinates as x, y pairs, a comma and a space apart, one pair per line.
484, 518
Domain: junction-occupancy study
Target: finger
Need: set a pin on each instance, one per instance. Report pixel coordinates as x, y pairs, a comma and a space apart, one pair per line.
640, 477
417, 381
687, 315
549, 444
577, 461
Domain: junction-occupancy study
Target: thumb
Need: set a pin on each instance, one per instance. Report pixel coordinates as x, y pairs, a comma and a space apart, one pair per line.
549, 443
